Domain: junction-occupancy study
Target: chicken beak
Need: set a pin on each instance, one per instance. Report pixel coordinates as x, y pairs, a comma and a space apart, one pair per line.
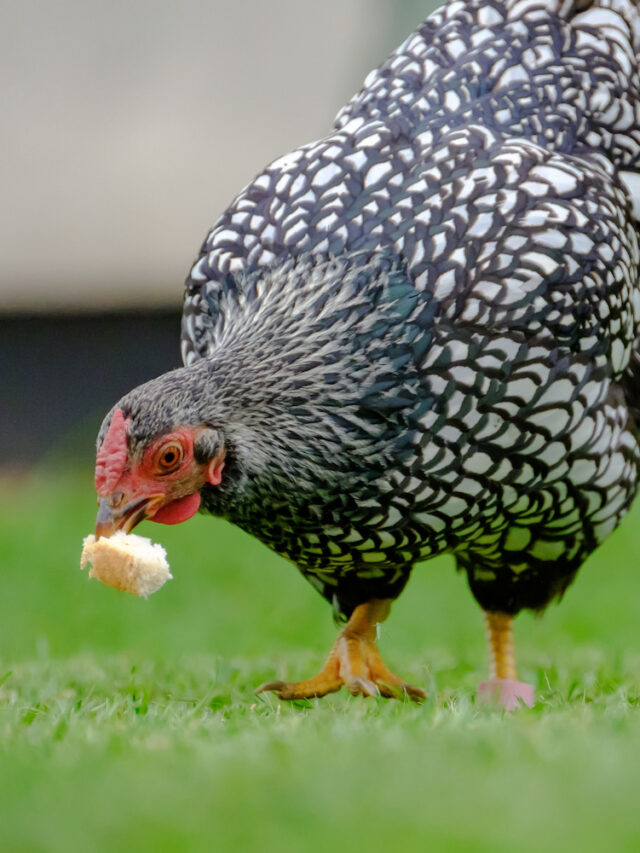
112, 517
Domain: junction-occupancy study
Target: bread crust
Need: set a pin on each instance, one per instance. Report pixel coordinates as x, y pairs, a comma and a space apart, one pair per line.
127, 562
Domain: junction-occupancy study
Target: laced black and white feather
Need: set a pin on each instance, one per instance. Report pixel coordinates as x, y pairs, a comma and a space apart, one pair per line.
447, 282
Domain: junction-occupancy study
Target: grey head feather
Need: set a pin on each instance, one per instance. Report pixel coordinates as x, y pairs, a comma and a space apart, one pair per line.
311, 374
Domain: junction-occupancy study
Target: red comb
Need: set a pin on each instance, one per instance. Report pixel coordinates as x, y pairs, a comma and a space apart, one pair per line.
112, 456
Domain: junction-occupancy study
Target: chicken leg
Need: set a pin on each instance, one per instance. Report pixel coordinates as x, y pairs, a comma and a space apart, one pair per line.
503, 688
354, 661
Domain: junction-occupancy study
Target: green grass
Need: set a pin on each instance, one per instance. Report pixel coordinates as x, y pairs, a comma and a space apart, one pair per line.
132, 725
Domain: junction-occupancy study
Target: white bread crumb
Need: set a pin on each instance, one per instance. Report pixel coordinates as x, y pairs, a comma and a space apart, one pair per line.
125, 561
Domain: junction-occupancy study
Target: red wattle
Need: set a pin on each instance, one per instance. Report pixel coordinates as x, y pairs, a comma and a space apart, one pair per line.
178, 511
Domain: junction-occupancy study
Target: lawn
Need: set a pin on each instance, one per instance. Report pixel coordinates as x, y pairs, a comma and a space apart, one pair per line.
132, 725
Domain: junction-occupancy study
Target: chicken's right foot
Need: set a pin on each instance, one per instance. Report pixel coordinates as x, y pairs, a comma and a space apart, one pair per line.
354, 661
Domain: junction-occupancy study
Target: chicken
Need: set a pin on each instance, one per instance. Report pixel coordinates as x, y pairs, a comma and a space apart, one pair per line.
419, 335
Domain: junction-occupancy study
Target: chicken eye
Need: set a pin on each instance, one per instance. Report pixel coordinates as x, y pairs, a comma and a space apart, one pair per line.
169, 458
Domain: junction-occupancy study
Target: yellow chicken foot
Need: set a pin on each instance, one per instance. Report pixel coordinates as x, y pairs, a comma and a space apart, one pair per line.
354, 661
503, 689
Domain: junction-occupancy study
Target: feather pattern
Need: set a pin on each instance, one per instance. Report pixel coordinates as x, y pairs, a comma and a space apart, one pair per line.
419, 333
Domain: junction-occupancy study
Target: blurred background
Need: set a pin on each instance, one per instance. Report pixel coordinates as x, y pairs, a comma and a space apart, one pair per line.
129, 125
127, 128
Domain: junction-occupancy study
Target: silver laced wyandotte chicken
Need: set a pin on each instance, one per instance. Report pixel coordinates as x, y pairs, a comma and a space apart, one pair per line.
420, 335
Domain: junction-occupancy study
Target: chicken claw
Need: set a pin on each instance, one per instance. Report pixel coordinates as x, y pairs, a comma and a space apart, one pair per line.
354, 661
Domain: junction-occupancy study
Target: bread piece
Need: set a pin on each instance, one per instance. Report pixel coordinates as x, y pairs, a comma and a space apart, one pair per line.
127, 562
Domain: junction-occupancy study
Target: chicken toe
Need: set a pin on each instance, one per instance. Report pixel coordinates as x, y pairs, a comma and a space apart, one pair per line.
354, 661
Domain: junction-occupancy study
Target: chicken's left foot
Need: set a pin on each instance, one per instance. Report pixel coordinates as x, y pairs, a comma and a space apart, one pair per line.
354, 661
503, 688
